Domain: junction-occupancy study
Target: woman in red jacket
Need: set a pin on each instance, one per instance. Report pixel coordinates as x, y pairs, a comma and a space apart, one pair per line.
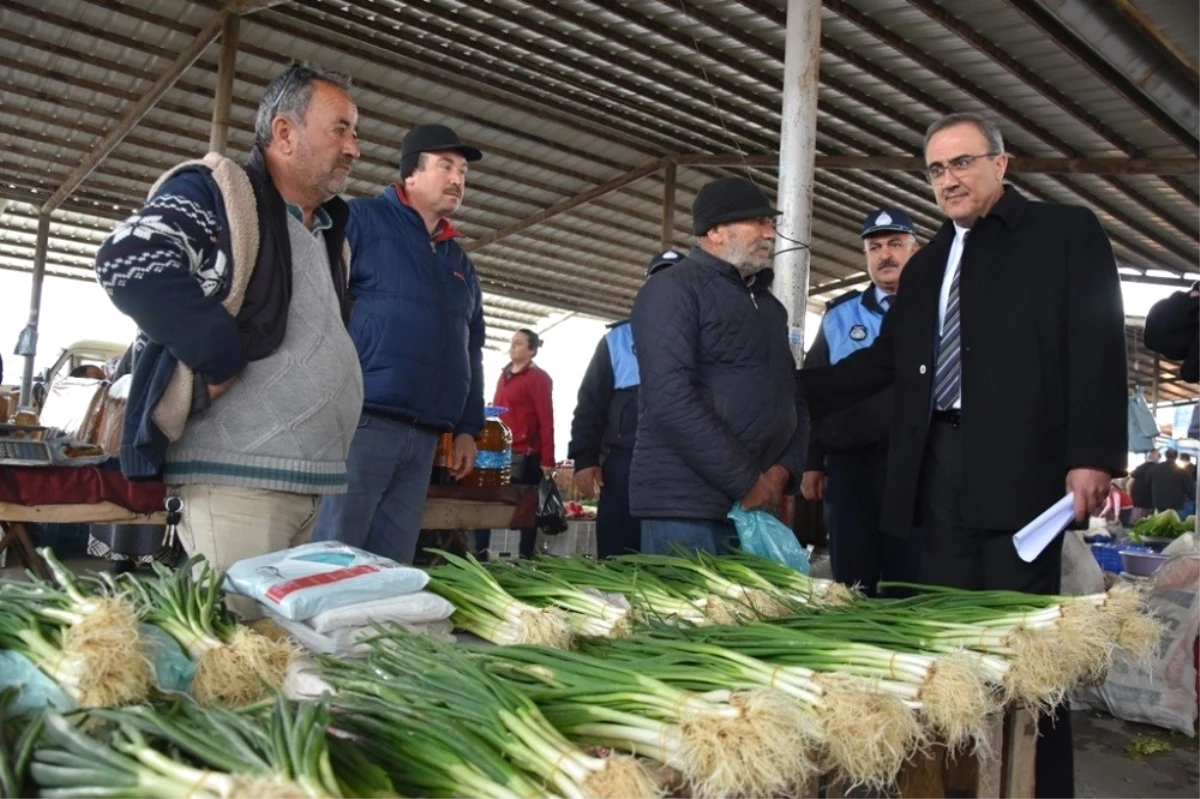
524, 390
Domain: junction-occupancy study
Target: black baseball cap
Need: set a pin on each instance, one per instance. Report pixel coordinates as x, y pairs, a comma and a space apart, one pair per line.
887, 220
435, 138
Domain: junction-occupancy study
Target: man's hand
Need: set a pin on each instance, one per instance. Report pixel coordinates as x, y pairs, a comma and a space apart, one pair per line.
219, 389
464, 456
548, 471
589, 481
812, 485
767, 490
1090, 487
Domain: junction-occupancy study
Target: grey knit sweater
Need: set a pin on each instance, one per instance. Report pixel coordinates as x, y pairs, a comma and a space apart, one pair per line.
286, 423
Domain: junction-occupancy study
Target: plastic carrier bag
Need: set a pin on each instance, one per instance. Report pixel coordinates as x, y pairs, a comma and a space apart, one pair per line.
36, 690
551, 514
762, 534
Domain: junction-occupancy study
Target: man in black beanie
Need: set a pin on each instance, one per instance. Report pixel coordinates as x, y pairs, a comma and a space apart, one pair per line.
718, 422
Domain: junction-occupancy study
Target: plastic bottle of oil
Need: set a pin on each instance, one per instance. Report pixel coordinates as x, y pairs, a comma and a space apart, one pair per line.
443, 460
493, 452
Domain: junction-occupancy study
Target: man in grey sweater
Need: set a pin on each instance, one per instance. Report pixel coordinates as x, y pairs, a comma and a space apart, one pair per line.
262, 388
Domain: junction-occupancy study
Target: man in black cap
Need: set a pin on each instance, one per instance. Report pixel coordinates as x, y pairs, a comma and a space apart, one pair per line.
1173, 330
718, 421
418, 326
604, 429
847, 454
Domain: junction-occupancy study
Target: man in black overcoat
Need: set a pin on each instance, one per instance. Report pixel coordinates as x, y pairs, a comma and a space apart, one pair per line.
1006, 348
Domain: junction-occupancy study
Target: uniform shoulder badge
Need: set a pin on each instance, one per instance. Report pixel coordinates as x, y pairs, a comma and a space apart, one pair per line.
858, 332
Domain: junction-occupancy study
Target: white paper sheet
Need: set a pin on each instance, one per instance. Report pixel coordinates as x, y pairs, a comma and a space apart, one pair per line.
1037, 535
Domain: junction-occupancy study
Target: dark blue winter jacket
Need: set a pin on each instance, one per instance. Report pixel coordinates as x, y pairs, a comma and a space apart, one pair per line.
418, 317
718, 404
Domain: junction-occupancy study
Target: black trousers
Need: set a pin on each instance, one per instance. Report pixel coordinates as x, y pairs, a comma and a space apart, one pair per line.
617, 532
961, 557
527, 470
859, 551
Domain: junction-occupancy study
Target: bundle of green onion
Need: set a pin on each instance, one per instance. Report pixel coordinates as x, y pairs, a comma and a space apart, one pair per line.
589, 613
442, 726
724, 742
699, 588
863, 732
949, 692
277, 749
357, 774
85, 640
1035, 647
697, 577
484, 608
649, 596
421, 753
234, 664
18, 734
778, 579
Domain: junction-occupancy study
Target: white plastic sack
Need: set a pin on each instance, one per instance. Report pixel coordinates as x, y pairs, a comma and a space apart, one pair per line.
415, 608
1081, 574
1186, 544
1166, 696
304, 681
301, 582
347, 641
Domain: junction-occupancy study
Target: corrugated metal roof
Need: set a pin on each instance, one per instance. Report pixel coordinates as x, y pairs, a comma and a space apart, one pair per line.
563, 95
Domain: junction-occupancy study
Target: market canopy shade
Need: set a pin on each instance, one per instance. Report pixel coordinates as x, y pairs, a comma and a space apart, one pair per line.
584, 107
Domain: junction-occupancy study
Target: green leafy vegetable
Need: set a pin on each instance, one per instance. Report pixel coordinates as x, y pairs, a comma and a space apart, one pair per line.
1162, 525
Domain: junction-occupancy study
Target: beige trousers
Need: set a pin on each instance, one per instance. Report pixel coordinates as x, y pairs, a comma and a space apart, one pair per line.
226, 524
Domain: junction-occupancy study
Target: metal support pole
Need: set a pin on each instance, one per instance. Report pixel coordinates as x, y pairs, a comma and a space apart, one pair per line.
27, 343
1195, 500
1154, 382
223, 97
668, 216
797, 151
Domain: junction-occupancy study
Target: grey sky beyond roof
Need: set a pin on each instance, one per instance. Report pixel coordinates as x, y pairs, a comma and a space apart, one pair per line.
564, 96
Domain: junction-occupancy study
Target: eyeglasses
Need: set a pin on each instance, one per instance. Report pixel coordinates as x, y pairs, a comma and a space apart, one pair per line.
936, 171
293, 73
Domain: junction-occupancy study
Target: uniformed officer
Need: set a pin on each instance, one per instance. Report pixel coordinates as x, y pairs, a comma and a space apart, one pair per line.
847, 457
604, 429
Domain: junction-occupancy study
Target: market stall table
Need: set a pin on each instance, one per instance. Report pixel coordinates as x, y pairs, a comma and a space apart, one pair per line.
70, 495
461, 507
101, 495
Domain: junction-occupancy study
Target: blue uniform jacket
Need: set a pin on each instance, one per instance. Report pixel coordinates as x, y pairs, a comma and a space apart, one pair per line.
606, 413
851, 323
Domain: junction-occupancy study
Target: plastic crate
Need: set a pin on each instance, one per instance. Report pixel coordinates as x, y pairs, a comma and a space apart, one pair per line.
1108, 556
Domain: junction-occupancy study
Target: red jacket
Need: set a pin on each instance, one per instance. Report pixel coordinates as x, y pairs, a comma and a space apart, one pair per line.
530, 413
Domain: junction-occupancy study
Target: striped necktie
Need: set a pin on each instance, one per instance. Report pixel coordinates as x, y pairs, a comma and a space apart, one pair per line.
947, 377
